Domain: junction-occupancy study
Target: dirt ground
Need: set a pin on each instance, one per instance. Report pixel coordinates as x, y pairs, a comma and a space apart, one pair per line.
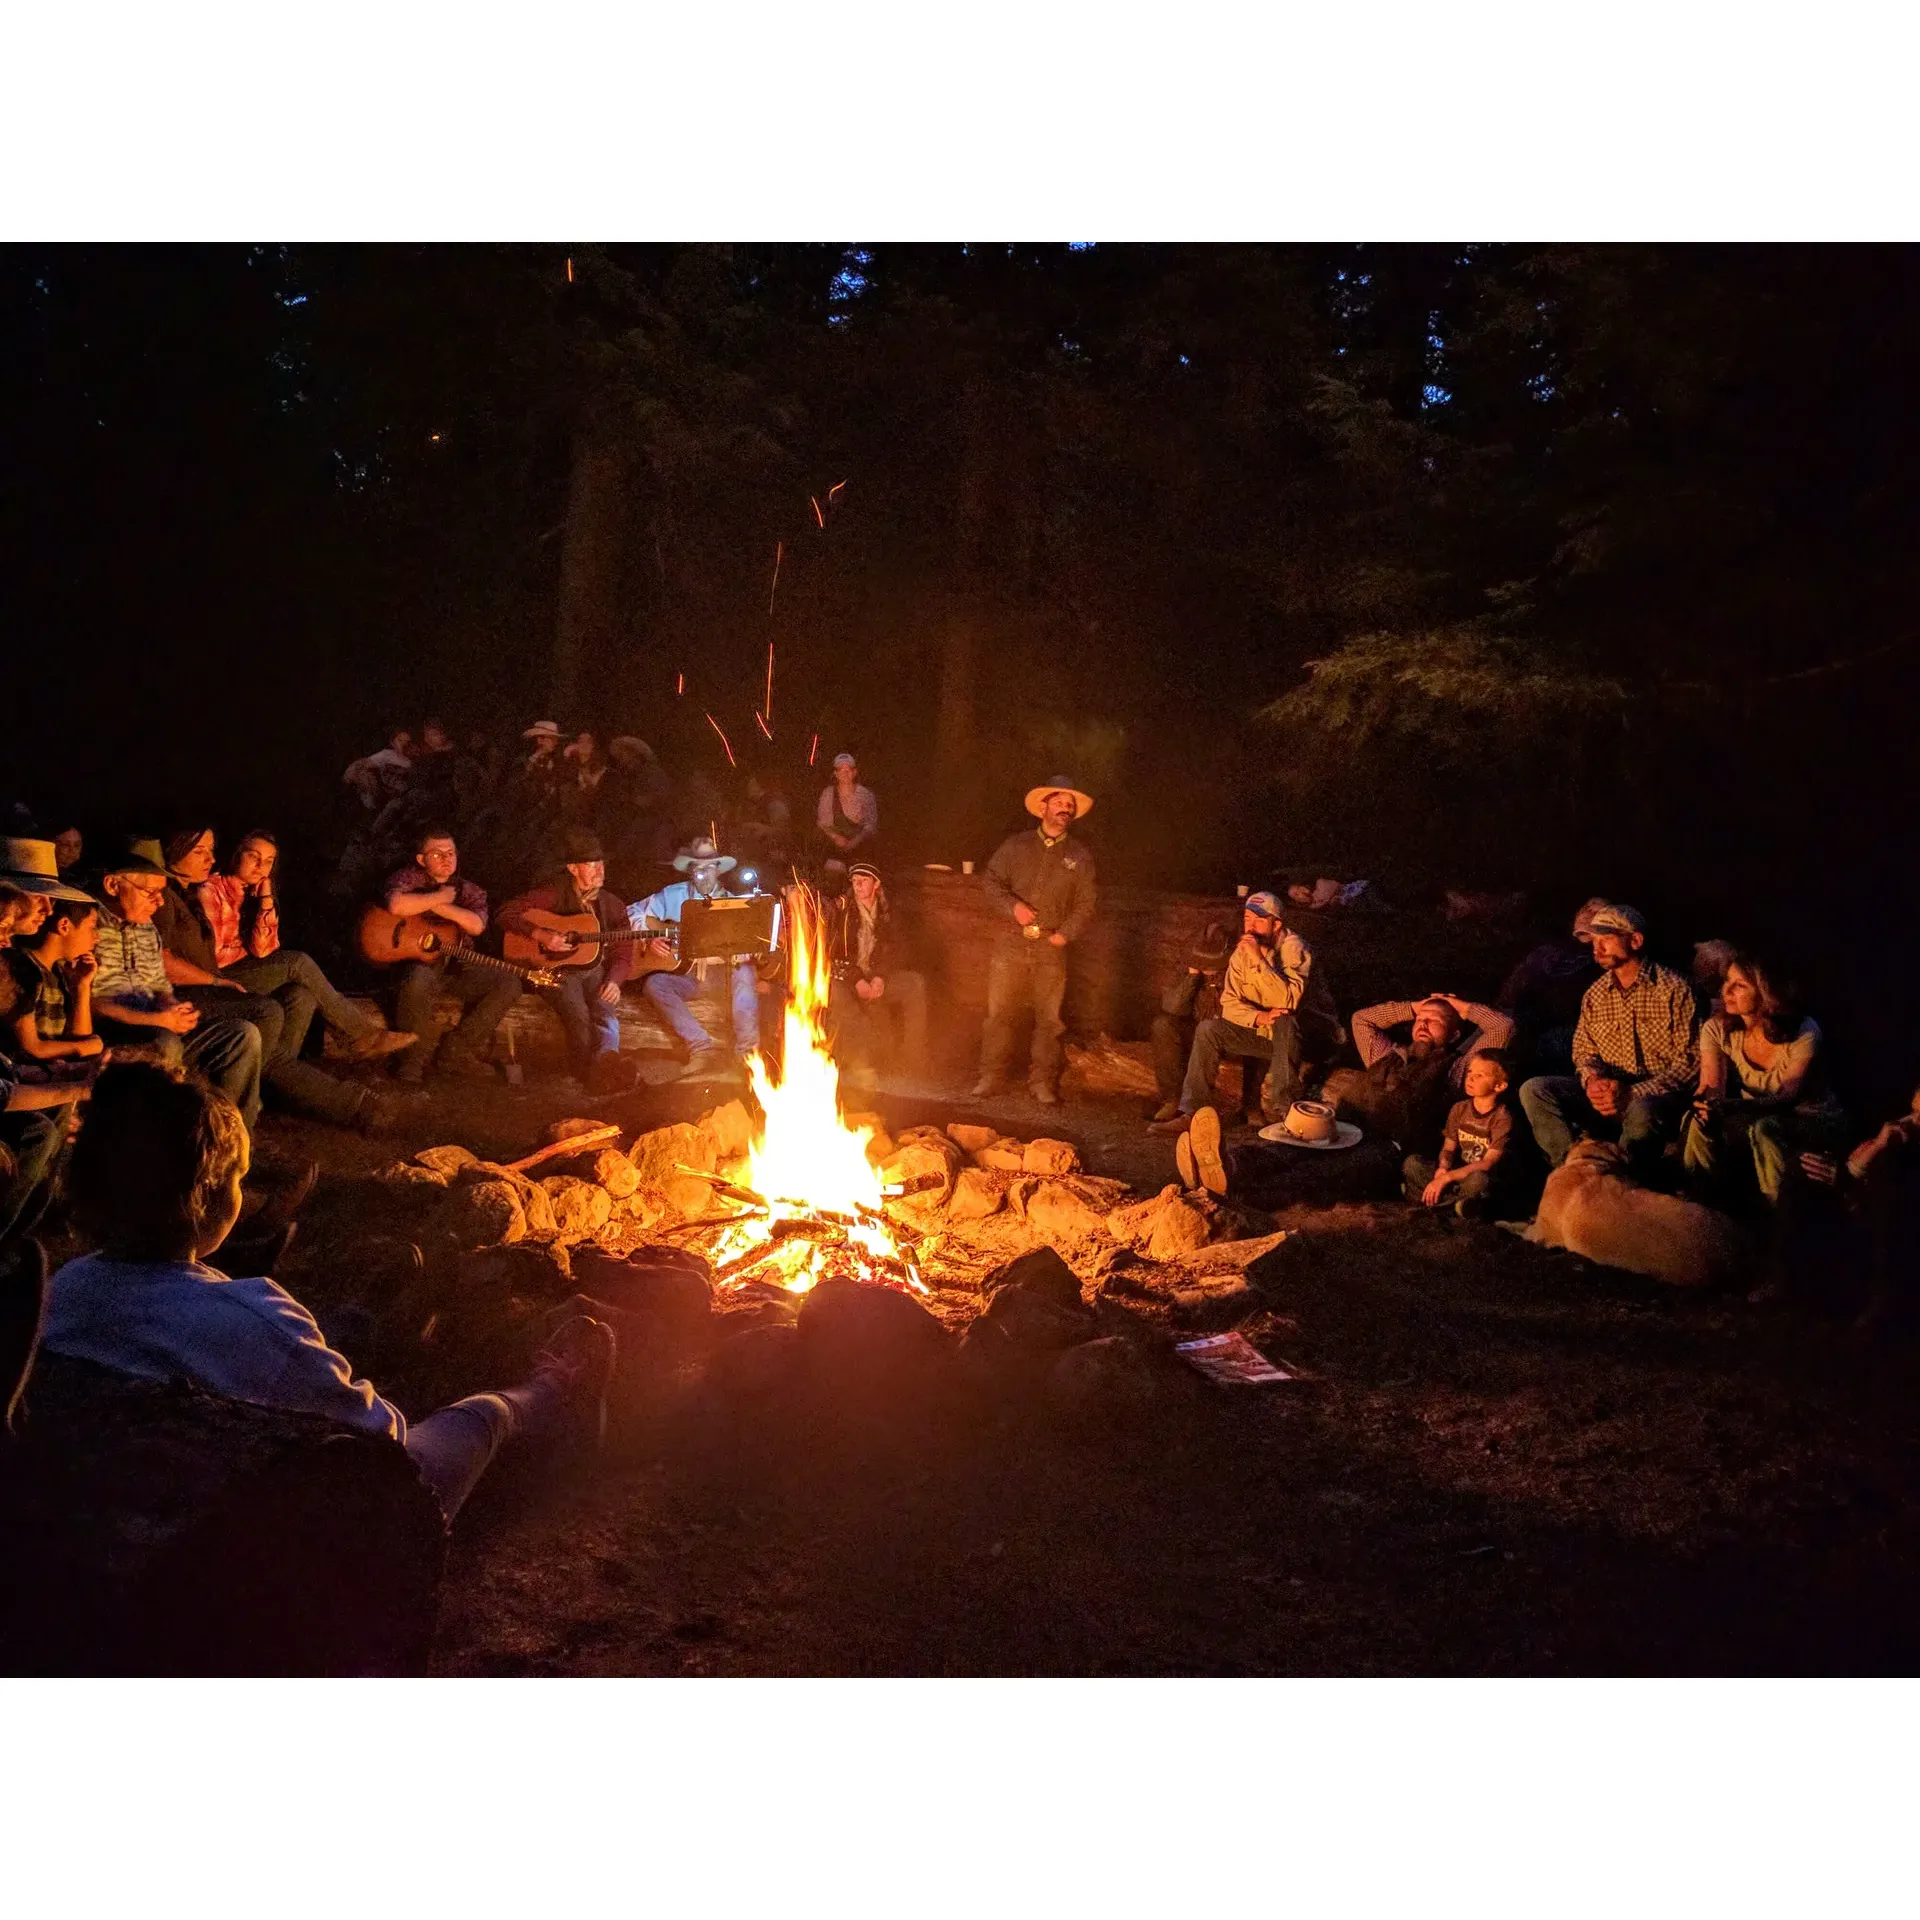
1497, 1459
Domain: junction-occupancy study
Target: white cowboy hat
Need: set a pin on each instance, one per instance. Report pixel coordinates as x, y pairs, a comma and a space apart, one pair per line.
1037, 797
541, 730
1311, 1124
30, 865
702, 853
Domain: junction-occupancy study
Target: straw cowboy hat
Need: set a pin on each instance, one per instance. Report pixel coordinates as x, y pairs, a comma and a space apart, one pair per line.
30, 865
701, 852
1311, 1124
1037, 798
541, 730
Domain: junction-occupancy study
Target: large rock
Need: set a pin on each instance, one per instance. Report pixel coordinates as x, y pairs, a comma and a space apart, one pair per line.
755, 1360
533, 1272
482, 1213
403, 1174
685, 1196
1043, 1272
658, 1156
920, 1160
1034, 1322
730, 1128
615, 1173
873, 1334
1001, 1156
1050, 1157
1110, 1375
447, 1160
673, 1284
646, 1210
580, 1209
975, 1195
1167, 1227
970, 1139
1059, 1216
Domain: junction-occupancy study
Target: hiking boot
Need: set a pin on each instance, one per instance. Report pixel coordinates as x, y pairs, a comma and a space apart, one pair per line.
578, 1360
378, 1114
1176, 1122
1043, 1094
706, 1063
1166, 1110
1183, 1159
1203, 1140
989, 1086
379, 1043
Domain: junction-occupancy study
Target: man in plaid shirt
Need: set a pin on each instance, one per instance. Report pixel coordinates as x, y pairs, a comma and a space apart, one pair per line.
1636, 1052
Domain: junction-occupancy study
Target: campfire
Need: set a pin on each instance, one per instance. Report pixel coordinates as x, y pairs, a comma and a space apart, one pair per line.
813, 1204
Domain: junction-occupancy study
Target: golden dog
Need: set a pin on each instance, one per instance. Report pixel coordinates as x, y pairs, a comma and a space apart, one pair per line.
1591, 1208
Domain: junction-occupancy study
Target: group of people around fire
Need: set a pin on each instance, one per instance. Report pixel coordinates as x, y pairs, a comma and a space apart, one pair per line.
152, 988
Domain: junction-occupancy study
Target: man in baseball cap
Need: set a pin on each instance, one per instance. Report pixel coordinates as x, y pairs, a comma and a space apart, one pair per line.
1636, 1052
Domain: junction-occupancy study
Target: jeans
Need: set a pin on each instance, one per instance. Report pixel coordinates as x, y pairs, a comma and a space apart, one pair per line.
224, 1052
281, 981
454, 1446
33, 1141
1217, 1040
591, 1026
484, 992
1470, 1198
266, 1015
1025, 976
670, 992
1557, 1110
285, 969
858, 1023
1766, 1144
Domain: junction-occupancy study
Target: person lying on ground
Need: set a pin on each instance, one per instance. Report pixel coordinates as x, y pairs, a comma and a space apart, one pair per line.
1268, 997
1476, 1152
155, 1189
587, 998
244, 914
135, 1006
1764, 1095
283, 1011
1323, 894
871, 976
1635, 1053
432, 883
1544, 991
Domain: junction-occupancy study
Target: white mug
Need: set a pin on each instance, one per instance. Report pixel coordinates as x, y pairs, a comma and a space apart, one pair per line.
966, 866
1242, 891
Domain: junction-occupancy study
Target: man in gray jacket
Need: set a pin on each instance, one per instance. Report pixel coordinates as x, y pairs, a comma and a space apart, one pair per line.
1042, 883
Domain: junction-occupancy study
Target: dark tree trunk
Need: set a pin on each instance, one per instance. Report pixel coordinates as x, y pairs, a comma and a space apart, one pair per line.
591, 563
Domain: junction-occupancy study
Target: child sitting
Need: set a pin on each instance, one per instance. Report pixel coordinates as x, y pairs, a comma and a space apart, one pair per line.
1476, 1147
155, 1184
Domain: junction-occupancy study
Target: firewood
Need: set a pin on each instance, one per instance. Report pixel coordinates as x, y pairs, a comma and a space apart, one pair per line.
563, 1149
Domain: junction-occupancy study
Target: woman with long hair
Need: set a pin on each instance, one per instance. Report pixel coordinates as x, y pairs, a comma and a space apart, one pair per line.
1764, 1096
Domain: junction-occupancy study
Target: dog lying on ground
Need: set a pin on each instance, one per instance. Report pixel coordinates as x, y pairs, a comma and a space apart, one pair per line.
1591, 1208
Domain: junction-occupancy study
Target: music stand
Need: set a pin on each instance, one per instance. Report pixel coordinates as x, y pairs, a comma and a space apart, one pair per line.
733, 927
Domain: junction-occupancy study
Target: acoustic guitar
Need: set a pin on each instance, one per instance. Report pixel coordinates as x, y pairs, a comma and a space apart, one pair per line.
392, 940
585, 939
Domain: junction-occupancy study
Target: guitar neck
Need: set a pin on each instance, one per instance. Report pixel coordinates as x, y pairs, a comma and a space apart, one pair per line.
473, 958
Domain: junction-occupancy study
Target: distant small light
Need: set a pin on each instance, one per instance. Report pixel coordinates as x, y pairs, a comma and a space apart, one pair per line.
1184, 361
433, 436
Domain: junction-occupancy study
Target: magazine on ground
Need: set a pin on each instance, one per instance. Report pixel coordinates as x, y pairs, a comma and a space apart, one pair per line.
1231, 1359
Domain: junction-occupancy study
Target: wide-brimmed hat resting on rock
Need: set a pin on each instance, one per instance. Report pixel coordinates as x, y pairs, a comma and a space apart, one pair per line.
701, 852
1038, 797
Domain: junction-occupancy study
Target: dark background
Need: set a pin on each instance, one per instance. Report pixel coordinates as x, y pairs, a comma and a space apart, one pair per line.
1573, 568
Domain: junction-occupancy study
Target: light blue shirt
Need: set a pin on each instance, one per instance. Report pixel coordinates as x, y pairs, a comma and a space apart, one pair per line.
178, 1320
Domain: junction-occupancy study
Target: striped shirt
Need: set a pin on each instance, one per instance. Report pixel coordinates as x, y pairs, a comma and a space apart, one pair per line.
1646, 1033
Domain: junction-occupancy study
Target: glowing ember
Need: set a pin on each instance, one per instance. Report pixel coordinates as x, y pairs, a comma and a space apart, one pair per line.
825, 1198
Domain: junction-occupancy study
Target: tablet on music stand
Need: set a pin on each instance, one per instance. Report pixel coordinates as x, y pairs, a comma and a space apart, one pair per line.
730, 928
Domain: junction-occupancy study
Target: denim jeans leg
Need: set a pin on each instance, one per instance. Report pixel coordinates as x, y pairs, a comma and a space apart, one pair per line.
668, 994
1554, 1107
746, 1008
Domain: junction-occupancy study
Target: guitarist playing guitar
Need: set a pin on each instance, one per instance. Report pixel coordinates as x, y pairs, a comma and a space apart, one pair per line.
561, 925
432, 885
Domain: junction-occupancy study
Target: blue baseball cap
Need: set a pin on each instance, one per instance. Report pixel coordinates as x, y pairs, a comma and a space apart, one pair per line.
1266, 905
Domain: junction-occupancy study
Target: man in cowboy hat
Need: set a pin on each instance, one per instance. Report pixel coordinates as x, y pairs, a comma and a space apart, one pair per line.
703, 863
1042, 882
34, 867
587, 998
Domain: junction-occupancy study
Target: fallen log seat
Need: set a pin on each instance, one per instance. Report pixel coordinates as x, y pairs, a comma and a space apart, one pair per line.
157, 1529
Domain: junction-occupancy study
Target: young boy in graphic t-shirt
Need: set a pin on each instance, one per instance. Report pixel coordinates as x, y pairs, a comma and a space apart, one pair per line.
1475, 1148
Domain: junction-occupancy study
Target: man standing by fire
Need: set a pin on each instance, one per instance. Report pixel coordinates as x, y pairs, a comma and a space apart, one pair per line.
1042, 882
